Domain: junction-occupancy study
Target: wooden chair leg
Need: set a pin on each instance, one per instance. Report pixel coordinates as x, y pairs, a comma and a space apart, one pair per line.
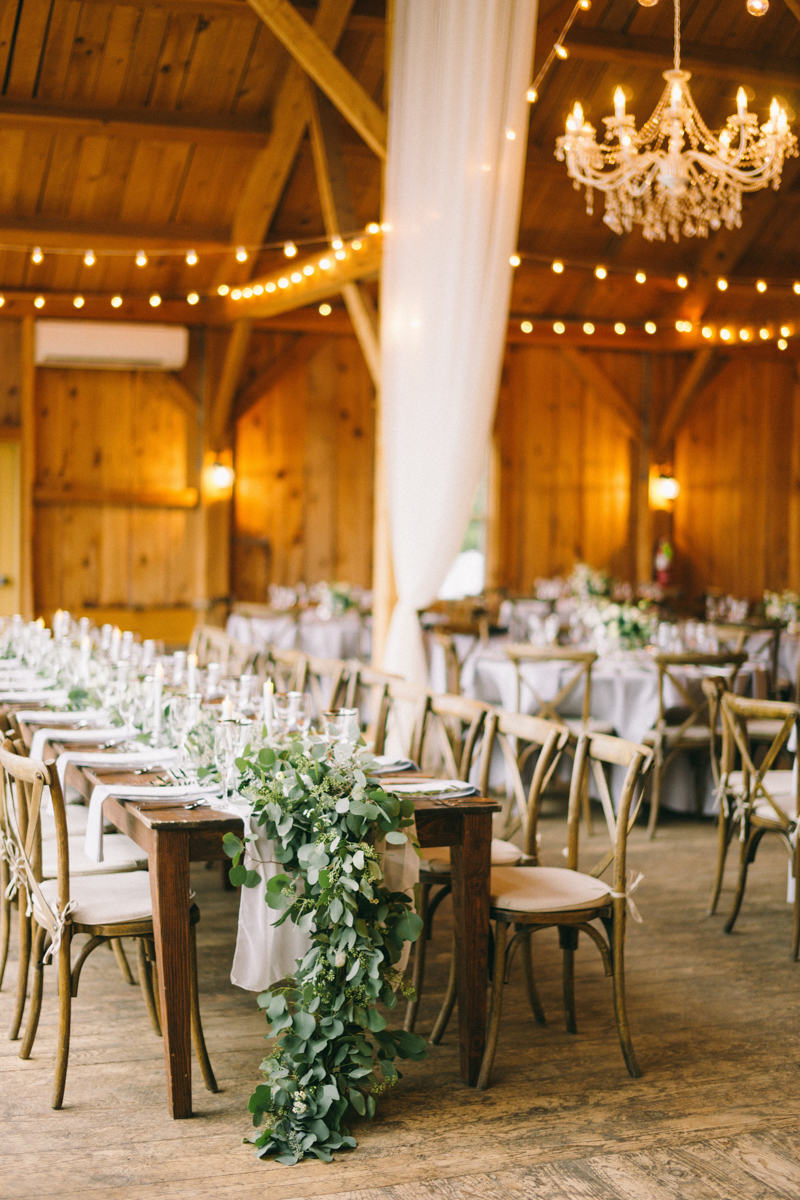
146, 984
5, 919
530, 982
122, 962
568, 940
749, 847
724, 833
446, 1011
64, 1016
194, 1010
795, 861
655, 794
501, 938
620, 1009
22, 969
418, 976
36, 992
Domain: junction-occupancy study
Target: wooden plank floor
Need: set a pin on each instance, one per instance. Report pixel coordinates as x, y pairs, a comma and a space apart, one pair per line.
714, 1117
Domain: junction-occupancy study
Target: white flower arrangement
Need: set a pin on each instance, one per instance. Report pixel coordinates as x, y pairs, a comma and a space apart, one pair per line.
618, 626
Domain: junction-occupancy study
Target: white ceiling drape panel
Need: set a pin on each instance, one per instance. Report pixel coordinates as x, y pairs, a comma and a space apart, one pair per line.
460, 70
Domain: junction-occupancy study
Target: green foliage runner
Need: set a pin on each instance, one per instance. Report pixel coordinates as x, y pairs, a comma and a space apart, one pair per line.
334, 1053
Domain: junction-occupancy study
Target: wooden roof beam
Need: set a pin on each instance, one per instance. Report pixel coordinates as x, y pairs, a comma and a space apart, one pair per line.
68, 233
311, 53
270, 170
319, 285
703, 364
337, 213
721, 62
300, 350
607, 392
219, 417
141, 124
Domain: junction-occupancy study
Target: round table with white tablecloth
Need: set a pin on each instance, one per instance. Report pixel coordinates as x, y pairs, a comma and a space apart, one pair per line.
624, 692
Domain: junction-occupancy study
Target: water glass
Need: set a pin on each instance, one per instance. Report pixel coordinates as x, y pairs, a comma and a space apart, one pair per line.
230, 739
342, 726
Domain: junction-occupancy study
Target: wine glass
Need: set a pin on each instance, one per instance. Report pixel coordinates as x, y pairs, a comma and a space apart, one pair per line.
230, 739
299, 715
342, 726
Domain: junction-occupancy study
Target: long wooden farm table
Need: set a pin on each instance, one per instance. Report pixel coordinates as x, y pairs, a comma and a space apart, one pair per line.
175, 837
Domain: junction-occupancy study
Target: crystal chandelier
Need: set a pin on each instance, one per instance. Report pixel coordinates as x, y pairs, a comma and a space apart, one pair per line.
675, 176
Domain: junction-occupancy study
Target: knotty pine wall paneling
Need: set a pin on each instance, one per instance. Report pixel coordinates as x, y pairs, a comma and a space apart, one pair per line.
736, 458
99, 432
304, 476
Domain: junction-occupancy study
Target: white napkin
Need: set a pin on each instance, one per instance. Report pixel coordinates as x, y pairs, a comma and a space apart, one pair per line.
386, 763
93, 845
42, 696
107, 733
432, 786
43, 716
105, 758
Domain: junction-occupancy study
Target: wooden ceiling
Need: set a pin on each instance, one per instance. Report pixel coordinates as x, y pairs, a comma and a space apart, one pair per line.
182, 124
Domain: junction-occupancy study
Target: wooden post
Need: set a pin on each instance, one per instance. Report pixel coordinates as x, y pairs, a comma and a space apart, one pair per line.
644, 526
493, 529
27, 467
794, 492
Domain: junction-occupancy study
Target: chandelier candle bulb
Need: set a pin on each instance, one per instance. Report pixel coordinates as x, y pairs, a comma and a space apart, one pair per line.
741, 103
619, 103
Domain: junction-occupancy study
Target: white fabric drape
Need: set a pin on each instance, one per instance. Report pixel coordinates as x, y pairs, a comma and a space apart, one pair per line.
458, 118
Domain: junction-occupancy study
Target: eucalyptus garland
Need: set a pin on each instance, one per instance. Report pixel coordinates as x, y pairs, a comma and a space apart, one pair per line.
333, 1053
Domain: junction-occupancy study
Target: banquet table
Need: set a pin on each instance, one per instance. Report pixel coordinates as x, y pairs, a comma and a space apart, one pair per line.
175, 837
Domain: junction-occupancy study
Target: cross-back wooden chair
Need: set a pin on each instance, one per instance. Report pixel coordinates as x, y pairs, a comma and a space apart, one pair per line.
583, 662
531, 898
759, 640
210, 644
367, 689
520, 737
761, 800
401, 719
104, 907
692, 731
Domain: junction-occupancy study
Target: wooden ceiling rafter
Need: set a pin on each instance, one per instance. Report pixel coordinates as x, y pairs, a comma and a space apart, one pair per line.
141, 124
607, 392
337, 213
793, 7
309, 50
720, 62
361, 263
300, 351
65, 233
270, 171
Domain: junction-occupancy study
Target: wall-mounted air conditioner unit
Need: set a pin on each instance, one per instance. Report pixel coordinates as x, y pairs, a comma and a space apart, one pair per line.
111, 345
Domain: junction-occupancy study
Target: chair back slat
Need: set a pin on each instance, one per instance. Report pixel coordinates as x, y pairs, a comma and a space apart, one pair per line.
736, 712
583, 660
728, 664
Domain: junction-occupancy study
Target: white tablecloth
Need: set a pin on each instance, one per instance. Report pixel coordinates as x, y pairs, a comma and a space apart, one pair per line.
347, 636
624, 692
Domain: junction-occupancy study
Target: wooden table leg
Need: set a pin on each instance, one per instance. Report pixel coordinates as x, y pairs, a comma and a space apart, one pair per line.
470, 864
169, 885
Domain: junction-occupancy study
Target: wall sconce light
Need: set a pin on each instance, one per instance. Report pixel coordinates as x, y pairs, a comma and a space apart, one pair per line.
218, 477
664, 490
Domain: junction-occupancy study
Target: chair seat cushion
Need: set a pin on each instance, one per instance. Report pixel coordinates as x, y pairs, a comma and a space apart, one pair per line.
503, 854
103, 899
763, 729
546, 889
120, 853
594, 725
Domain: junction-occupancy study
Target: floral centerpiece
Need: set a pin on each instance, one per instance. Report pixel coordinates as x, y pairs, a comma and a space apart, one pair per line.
334, 1054
586, 582
619, 626
782, 606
